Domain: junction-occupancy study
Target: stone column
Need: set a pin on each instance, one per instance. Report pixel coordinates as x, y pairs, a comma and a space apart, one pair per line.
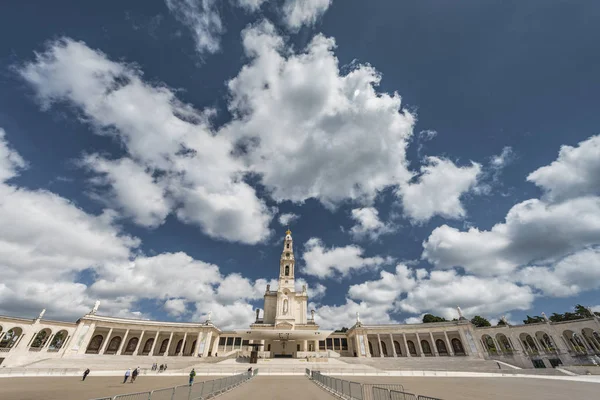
154, 343
168, 345
379, 345
419, 344
2, 335
465, 344
48, 341
393, 347
88, 336
317, 345
449, 345
357, 346
406, 345
139, 343
496, 344
215, 348
207, 344
433, 345
122, 343
105, 344
181, 351
197, 346
305, 344
537, 344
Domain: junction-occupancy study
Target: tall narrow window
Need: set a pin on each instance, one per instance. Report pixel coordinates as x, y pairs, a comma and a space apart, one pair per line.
287, 270
287, 245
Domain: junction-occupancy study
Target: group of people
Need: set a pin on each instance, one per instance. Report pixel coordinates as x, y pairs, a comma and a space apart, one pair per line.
133, 374
162, 368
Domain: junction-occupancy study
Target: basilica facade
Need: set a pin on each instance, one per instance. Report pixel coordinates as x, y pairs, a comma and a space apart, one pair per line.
286, 328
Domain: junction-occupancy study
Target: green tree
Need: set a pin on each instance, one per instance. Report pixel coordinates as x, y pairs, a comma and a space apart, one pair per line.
343, 330
427, 318
501, 323
582, 311
533, 320
480, 322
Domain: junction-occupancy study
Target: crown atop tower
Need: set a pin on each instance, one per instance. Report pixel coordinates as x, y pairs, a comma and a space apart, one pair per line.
288, 232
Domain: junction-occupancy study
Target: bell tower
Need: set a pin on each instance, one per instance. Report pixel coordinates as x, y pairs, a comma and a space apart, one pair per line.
287, 263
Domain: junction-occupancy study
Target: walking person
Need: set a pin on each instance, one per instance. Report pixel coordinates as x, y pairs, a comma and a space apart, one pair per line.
85, 374
165, 370
127, 375
134, 374
192, 375
162, 367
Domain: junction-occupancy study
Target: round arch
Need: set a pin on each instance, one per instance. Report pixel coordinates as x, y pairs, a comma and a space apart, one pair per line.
113, 345
588, 335
397, 348
441, 347
426, 347
457, 347
528, 343
504, 343
178, 347
412, 349
489, 344
95, 343
384, 349
10, 339
41, 338
58, 340
371, 349
148, 346
163, 347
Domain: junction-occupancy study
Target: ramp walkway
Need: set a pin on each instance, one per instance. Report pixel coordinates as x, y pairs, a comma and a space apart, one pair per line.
278, 388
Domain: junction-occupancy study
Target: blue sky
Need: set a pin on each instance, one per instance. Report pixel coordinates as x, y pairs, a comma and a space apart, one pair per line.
425, 154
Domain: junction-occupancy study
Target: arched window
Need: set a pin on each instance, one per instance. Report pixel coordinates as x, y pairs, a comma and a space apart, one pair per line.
131, 345
95, 344
148, 346
457, 346
11, 337
287, 270
397, 348
441, 346
411, 347
163, 346
41, 338
384, 348
370, 348
178, 347
193, 347
113, 345
58, 340
425, 346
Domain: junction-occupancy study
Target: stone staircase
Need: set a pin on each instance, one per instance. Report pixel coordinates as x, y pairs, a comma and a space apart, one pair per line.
456, 364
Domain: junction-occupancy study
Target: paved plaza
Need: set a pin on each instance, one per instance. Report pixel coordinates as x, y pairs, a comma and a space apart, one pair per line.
299, 387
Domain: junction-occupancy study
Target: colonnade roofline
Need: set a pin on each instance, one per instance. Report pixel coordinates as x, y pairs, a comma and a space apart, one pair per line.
147, 323
410, 326
19, 320
540, 324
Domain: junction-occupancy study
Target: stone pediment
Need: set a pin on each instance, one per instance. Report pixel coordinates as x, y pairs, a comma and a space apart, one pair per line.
284, 325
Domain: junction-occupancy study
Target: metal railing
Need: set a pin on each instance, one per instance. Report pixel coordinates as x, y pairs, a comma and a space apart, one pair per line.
363, 391
197, 391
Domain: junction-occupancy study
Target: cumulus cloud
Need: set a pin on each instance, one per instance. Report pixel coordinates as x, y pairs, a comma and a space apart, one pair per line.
251, 5
303, 12
202, 18
133, 190
10, 161
308, 129
163, 137
287, 218
175, 307
438, 190
368, 224
326, 262
575, 173
570, 276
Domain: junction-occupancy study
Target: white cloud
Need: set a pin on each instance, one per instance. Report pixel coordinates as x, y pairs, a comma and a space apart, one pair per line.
442, 291
10, 161
251, 5
503, 159
368, 224
202, 18
287, 218
311, 132
303, 12
532, 231
325, 262
439, 190
316, 292
162, 135
134, 190
338, 316
575, 173
570, 276
175, 307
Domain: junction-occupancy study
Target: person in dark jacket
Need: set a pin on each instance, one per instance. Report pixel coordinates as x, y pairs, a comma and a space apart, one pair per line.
85, 374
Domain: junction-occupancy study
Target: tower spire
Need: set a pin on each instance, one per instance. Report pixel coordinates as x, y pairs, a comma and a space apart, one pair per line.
287, 262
